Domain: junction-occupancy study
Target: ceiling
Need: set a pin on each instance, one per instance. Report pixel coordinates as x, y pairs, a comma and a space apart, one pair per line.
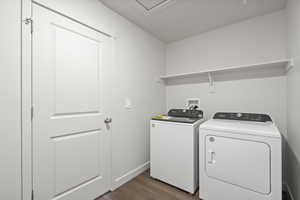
171, 20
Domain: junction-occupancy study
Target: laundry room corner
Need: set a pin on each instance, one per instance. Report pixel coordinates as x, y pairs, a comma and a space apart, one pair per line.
150, 99
256, 40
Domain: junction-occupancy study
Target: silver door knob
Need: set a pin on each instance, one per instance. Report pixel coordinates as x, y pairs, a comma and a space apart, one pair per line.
107, 120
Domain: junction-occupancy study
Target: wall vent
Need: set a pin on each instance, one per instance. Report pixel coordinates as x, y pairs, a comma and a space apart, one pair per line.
149, 5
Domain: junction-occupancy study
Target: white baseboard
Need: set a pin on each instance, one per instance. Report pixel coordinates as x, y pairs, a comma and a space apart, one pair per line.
129, 176
289, 191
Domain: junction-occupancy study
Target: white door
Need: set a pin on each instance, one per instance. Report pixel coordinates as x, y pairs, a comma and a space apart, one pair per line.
70, 139
242, 163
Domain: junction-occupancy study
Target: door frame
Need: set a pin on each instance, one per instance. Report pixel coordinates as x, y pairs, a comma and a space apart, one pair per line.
26, 101
26, 96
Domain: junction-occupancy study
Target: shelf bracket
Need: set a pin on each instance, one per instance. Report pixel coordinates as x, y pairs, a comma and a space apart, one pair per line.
211, 83
290, 65
210, 79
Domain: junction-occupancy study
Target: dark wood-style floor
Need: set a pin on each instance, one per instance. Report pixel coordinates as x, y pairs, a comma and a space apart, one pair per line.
144, 187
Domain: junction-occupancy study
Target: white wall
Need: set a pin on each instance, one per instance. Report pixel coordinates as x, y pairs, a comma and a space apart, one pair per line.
10, 100
250, 95
139, 61
260, 39
257, 40
293, 172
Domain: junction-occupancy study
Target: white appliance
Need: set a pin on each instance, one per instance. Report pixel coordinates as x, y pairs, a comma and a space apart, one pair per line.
240, 158
174, 148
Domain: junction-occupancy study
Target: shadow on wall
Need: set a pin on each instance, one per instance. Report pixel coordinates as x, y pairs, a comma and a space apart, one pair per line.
293, 170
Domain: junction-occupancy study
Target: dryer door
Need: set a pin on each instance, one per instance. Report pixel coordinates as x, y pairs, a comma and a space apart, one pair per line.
242, 163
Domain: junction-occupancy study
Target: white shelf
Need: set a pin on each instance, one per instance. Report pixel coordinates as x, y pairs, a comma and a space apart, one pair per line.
278, 67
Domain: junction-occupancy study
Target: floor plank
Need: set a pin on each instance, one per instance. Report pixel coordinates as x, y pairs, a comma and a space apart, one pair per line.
143, 187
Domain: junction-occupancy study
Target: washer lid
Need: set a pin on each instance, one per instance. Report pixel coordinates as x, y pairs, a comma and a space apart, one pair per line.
177, 119
266, 129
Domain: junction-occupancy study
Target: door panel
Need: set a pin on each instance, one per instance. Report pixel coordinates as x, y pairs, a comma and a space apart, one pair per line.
71, 142
83, 164
76, 72
239, 162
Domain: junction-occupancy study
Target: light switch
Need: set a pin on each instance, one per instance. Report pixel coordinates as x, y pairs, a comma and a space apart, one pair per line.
128, 104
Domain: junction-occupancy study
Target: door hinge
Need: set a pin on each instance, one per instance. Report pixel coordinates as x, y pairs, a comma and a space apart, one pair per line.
32, 195
31, 113
29, 21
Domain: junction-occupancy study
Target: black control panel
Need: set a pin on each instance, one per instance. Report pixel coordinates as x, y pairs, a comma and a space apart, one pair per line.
243, 117
185, 113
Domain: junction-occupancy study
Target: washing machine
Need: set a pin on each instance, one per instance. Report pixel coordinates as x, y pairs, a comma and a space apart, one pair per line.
174, 148
240, 158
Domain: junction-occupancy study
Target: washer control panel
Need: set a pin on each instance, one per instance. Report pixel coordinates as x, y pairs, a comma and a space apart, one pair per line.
185, 113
